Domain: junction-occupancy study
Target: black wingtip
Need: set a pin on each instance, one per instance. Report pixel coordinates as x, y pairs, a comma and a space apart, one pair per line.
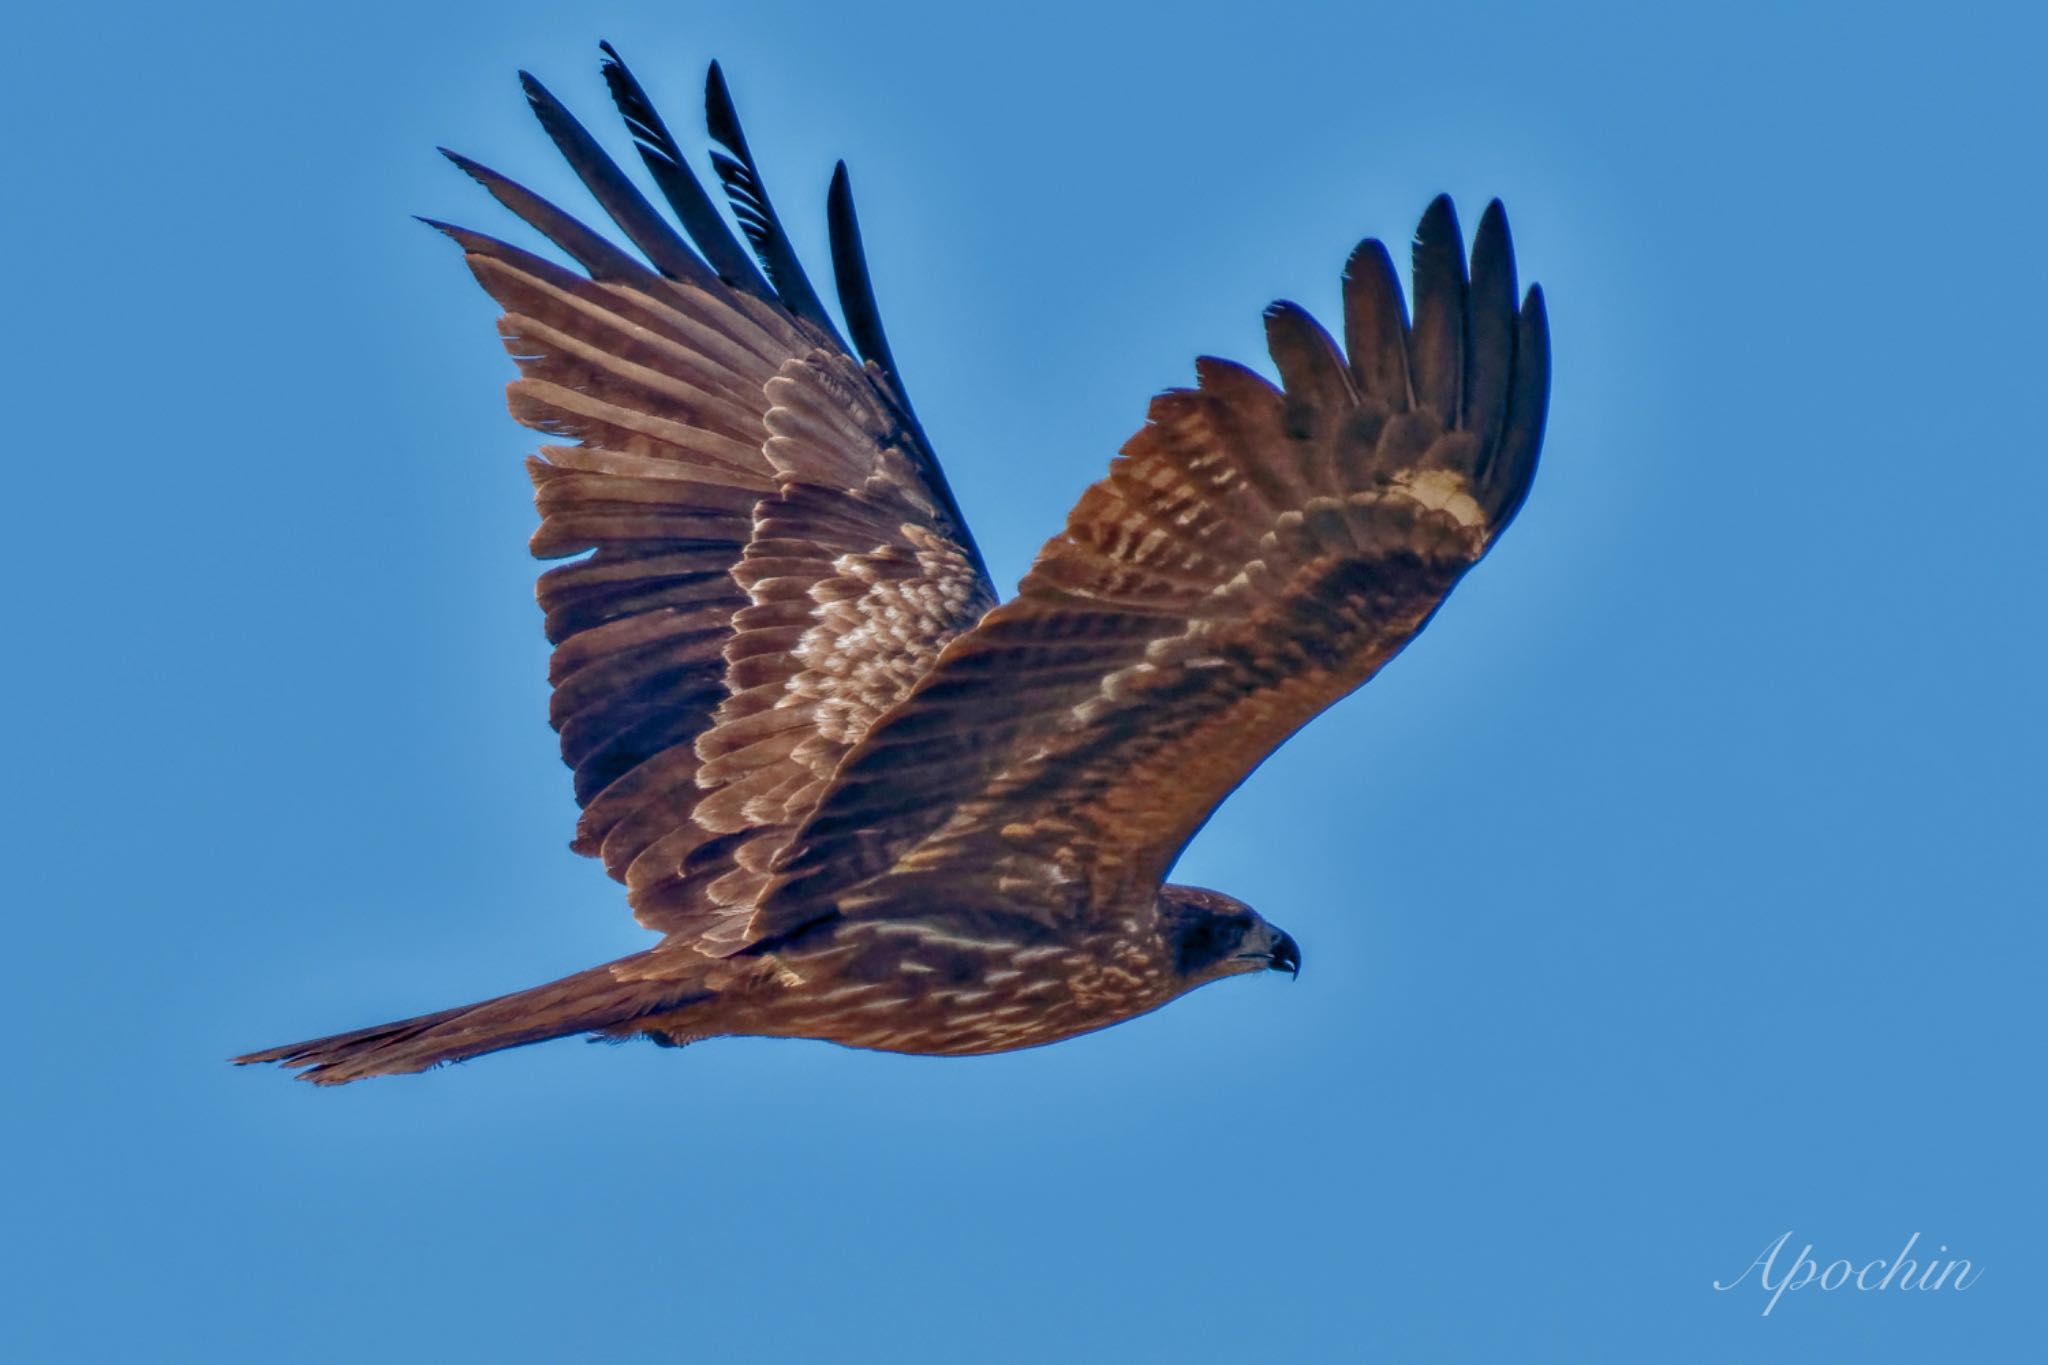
594, 253
1439, 222
472, 169
850, 275
612, 187
665, 161
864, 322
539, 97
720, 116
1489, 332
542, 101
1528, 408
746, 192
1436, 347
470, 240
1492, 223
1312, 370
1493, 246
1376, 325
1535, 319
1439, 245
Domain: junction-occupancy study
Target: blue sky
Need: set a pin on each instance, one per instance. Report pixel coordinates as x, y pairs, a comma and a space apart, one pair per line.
1679, 888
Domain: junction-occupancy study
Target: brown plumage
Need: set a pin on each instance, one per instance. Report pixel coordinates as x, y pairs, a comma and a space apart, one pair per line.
861, 801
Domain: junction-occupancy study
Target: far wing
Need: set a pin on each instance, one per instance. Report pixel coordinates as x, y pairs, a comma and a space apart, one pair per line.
768, 554
1254, 555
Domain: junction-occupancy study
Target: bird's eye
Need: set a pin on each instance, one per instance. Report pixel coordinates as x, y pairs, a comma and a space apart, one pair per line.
1210, 939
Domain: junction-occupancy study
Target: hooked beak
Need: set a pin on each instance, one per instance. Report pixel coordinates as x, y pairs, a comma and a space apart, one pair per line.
1286, 955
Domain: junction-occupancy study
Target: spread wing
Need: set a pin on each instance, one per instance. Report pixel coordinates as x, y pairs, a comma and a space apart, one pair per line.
1254, 554
767, 556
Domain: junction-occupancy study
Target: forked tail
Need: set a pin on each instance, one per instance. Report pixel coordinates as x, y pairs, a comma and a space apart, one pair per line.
589, 1002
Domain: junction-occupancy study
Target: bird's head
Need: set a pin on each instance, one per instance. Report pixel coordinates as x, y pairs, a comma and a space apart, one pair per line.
1213, 936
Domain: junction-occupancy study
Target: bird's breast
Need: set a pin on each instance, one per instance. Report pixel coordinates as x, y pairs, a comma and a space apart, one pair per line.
960, 987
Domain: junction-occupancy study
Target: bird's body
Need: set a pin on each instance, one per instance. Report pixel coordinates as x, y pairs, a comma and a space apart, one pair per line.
862, 801
943, 985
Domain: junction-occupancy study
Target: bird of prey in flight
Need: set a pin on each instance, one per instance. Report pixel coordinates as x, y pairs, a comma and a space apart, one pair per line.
861, 799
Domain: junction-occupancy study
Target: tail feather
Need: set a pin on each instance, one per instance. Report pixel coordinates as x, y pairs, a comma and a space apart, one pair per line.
594, 1001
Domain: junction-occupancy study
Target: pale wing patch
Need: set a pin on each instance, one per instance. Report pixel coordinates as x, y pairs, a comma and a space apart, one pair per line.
853, 590
1442, 490
881, 623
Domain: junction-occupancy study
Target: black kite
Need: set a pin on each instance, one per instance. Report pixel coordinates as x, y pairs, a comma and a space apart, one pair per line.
861, 800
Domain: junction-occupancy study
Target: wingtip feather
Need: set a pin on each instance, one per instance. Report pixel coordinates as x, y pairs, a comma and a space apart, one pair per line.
747, 194
665, 161
1528, 409
1437, 339
1489, 331
721, 116
850, 274
1313, 375
1376, 325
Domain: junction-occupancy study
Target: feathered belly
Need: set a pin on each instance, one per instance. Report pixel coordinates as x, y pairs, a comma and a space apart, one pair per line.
900, 986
